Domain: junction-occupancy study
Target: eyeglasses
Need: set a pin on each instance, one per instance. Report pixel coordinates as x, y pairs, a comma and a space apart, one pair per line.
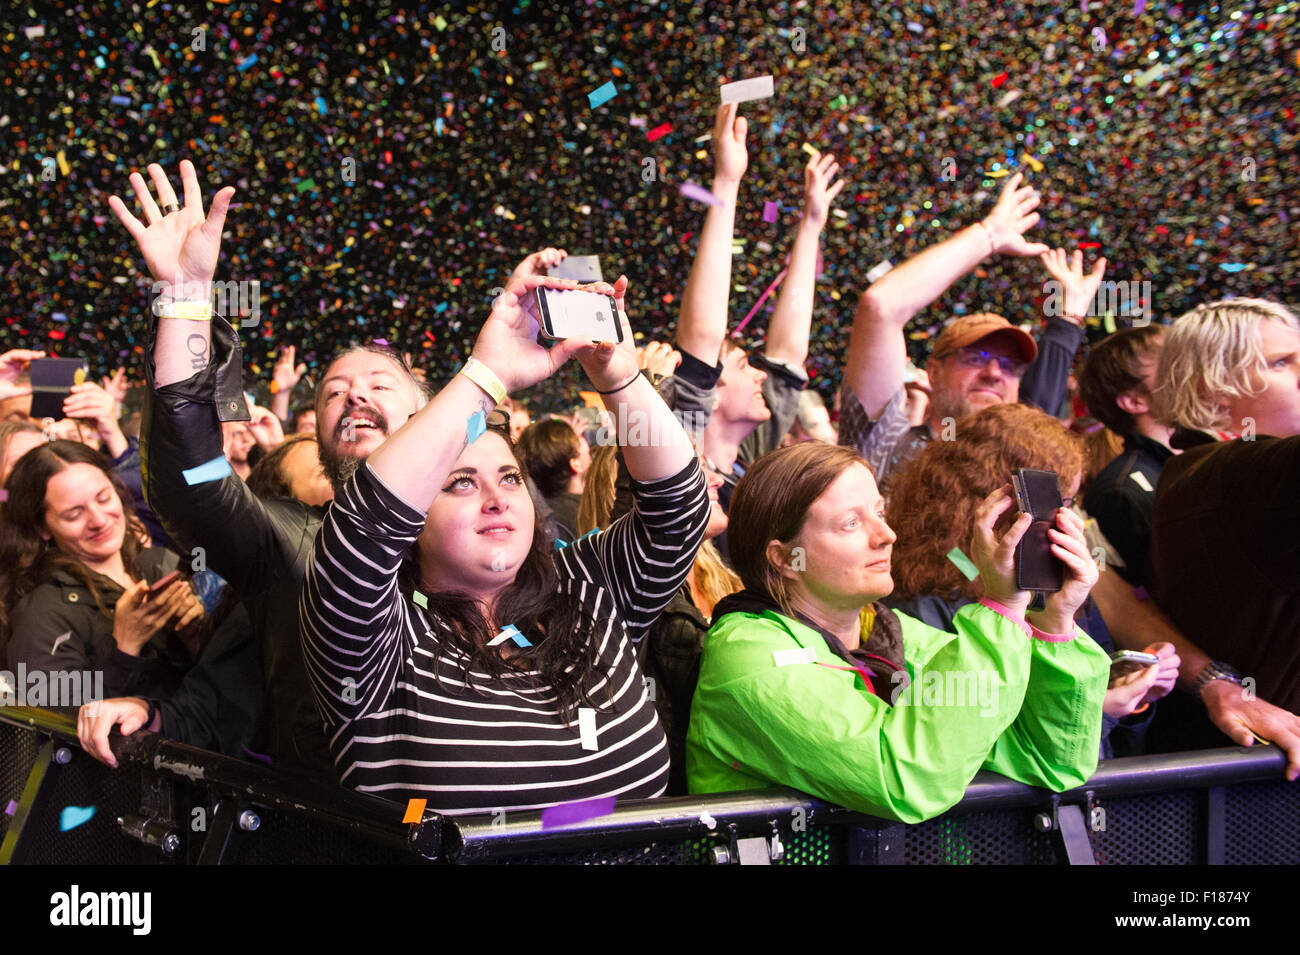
979, 358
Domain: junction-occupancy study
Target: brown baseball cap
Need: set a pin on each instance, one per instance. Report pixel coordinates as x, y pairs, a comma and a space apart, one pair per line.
970, 329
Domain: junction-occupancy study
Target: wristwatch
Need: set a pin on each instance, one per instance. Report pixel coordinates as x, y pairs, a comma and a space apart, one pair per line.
1216, 670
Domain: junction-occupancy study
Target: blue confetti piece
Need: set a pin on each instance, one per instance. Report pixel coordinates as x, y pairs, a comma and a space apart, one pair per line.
475, 426
247, 63
602, 94
1233, 266
437, 125
73, 816
1092, 169
120, 100
213, 470
512, 633
320, 105
60, 316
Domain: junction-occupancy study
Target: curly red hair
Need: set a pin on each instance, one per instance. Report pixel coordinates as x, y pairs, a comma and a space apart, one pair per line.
932, 501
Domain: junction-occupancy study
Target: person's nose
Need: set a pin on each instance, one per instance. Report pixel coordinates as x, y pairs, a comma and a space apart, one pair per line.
495, 500
760, 376
882, 535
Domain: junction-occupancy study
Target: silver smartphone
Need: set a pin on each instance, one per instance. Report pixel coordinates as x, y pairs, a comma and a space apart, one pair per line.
572, 313
580, 268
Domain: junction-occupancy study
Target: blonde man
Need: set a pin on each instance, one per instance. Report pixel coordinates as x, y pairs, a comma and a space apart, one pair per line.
1225, 549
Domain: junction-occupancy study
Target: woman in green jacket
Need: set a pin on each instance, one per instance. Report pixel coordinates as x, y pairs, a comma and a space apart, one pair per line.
808, 682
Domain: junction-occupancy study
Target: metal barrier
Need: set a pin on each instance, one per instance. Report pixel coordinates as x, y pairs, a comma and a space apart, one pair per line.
171, 803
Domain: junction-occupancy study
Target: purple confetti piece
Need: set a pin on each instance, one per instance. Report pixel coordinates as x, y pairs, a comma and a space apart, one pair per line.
572, 813
1138, 7
699, 194
12, 807
380, 341
769, 212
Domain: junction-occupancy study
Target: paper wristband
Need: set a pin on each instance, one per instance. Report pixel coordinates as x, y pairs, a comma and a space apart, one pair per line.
213, 470
194, 311
485, 378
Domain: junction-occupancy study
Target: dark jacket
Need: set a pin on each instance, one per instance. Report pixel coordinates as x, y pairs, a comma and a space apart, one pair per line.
1225, 557
260, 547
1121, 500
58, 627
670, 658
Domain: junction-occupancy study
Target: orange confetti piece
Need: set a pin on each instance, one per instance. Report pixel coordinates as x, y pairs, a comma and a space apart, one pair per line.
415, 810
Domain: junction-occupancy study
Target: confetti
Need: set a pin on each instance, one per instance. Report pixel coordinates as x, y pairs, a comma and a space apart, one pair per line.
963, 563
602, 94
770, 212
247, 62
572, 813
72, 816
1234, 266
659, 131
759, 87
999, 80
213, 470
415, 810
699, 194
12, 807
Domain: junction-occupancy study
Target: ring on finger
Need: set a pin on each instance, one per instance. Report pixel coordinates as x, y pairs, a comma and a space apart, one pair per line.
171, 207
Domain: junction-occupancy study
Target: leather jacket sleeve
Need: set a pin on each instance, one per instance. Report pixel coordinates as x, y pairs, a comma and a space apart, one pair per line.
247, 541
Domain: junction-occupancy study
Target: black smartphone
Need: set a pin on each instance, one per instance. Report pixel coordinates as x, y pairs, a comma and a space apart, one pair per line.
1038, 494
162, 583
52, 381
574, 313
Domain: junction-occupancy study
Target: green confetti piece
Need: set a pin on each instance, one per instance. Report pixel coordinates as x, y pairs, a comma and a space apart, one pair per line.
963, 563
1109, 323
440, 23
839, 102
419, 599
306, 184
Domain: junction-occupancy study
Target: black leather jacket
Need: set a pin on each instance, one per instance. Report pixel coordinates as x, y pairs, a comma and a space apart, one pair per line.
260, 547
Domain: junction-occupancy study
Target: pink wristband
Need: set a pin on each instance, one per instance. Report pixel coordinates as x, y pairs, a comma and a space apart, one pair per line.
1002, 611
1050, 637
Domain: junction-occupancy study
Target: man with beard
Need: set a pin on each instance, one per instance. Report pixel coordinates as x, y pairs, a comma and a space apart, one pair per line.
194, 372
977, 360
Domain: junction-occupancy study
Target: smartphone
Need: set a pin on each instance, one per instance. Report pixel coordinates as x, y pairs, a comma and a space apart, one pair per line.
580, 268
1038, 493
162, 583
1124, 662
52, 381
572, 313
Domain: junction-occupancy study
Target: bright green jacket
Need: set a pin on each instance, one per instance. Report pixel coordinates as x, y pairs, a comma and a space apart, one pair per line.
759, 720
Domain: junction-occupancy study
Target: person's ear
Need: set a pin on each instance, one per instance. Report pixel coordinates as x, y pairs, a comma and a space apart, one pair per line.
780, 558
1134, 401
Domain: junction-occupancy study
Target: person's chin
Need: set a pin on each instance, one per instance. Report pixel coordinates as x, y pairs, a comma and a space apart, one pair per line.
979, 400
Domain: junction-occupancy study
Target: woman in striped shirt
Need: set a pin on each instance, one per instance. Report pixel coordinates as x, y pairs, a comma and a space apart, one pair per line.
455, 655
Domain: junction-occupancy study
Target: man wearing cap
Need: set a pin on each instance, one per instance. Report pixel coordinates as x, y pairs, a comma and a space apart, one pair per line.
977, 361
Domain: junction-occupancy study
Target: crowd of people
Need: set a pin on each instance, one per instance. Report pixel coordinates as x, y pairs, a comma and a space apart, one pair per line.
780, 557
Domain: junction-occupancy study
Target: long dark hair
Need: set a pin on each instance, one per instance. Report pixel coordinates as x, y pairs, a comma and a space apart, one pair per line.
26, 559
564, 648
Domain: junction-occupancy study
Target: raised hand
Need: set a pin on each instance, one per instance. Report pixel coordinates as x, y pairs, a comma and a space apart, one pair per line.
12, 365
730, 157
180, 246
995, 556
285, 376
538, 263
116, 385
609, 365
1012, 217
265, 428
1069, 544
660, 359
818, 193
1077, 286
507, 343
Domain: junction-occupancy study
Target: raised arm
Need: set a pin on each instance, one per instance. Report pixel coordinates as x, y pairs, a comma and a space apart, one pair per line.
788, 330
284, 379
877, 348
703, 320
1046, 381
194, 375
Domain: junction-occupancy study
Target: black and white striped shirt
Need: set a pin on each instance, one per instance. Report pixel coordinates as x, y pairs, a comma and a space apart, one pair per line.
399, 733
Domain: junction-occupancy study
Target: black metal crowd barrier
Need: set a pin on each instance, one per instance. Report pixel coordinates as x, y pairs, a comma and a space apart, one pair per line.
170, 803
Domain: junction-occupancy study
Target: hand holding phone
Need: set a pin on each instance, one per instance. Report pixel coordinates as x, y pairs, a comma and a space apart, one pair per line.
52, 381
1124, 662
1038, 494
163, 582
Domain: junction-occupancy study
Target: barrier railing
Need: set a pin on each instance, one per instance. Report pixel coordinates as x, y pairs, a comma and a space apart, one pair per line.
168, 802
